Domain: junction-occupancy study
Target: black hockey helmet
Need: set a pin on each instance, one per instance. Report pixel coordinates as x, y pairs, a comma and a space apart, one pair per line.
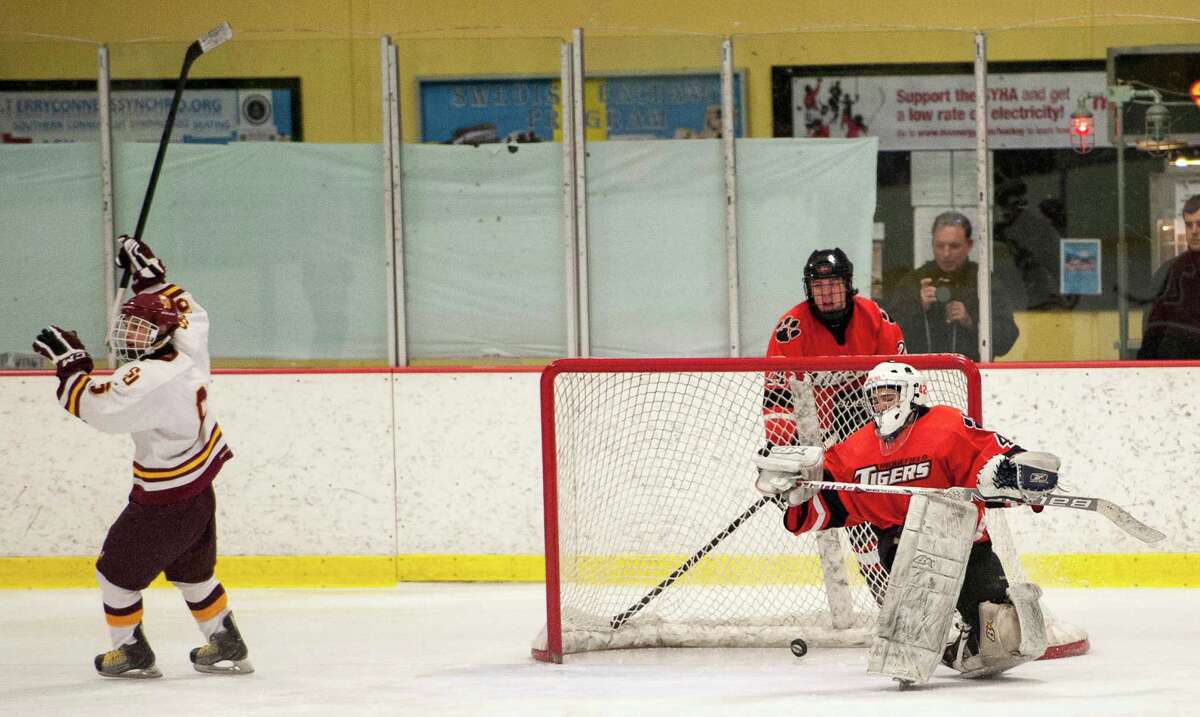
825, 264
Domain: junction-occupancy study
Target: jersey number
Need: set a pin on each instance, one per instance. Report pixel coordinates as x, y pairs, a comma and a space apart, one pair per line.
1003, 442
184, 308
202, 408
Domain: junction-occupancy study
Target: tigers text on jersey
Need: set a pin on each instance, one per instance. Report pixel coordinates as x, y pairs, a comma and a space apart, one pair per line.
943, 449
162, 404
870, 332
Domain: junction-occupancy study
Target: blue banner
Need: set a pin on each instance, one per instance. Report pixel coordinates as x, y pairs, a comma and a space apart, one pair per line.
526, 110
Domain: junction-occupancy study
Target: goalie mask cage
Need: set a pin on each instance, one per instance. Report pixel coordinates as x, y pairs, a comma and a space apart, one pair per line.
655, 536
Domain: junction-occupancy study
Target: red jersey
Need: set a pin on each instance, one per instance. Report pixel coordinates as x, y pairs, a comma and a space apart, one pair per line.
943, 449
870, 332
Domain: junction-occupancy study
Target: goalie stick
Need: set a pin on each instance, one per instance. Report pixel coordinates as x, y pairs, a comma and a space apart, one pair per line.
621, 618
1115, 513
210, 40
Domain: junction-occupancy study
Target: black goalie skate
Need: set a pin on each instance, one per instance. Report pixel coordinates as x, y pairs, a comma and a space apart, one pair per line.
225, 652
135, 660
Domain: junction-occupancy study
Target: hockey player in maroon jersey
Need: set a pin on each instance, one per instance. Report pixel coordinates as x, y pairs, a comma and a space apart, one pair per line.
158, 396
914, 444
833, 321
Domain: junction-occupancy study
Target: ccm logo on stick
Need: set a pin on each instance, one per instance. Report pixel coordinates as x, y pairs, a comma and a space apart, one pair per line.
1072, 502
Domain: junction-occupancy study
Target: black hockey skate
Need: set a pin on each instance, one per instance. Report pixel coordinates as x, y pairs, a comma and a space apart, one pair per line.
134, 660
225, 652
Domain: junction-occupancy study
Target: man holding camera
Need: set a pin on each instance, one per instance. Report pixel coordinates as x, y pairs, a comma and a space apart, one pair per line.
937, 304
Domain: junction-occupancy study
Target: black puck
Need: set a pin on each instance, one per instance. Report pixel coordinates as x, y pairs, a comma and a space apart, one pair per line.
799, 647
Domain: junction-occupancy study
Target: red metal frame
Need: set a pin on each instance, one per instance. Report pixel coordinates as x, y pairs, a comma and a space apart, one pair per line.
553, 652
1070, 649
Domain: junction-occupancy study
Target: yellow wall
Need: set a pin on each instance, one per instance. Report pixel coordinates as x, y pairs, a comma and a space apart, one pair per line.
1071, 336
332, 45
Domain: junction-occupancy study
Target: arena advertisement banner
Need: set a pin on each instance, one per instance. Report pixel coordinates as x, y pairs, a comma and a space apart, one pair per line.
1026, 110
1079, 266
210, 111
632, 107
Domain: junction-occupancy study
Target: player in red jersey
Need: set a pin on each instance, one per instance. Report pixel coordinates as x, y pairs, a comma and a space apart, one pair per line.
912, 443
833, 321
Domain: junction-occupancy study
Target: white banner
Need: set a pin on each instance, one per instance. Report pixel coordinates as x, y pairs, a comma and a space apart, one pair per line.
204, 115
1029, 110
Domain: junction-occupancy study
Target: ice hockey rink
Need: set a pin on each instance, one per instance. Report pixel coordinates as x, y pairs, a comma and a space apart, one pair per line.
463, 649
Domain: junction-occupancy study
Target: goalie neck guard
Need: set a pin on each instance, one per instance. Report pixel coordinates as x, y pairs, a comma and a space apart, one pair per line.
145, 325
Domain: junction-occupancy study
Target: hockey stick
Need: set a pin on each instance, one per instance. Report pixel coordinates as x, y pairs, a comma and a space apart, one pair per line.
1115, 513
621, 618
219, 35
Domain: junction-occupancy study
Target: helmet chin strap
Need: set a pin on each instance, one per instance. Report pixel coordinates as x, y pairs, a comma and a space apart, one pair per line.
835, 321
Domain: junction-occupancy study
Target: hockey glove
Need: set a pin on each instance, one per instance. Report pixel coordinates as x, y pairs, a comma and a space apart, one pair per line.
147, 269
780, 468
1024, 475
65, 350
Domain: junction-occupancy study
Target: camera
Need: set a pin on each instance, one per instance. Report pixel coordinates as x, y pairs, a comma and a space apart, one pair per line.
941, 289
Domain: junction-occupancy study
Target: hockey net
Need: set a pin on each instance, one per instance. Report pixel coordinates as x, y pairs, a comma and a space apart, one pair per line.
655, 536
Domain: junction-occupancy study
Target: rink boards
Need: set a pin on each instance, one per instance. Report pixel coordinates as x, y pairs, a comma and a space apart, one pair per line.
368, 478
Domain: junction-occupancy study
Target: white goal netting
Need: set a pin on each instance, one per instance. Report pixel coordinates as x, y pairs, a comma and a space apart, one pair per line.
655, 534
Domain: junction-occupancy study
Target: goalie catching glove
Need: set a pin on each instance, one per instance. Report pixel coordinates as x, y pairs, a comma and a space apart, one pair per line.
781, 468
65, 351
145, 268
1019, 477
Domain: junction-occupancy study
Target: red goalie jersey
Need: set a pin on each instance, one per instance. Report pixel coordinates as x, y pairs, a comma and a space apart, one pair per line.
869, 332
943, 448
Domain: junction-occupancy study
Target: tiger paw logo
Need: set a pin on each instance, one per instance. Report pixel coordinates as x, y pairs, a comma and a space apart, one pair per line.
787, 330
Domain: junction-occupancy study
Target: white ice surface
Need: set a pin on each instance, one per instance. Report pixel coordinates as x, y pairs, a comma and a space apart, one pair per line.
454, 649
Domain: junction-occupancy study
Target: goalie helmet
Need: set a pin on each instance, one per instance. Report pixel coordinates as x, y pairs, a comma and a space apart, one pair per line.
908, 383
826, 264
145, 325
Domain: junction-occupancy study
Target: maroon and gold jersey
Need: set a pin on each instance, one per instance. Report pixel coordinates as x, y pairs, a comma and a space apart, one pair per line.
942, 449
162, 402
870, 332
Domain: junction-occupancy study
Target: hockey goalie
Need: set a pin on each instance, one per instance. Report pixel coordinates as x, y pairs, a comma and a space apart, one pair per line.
947, 598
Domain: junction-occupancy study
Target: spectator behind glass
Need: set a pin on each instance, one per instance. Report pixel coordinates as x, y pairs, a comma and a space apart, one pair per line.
937, 304
1033, 241
1172, 328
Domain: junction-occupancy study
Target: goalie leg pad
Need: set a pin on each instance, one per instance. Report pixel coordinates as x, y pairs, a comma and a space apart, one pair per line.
1009, 635
926, 578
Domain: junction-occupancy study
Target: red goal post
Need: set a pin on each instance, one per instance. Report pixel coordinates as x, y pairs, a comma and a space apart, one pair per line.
646, 461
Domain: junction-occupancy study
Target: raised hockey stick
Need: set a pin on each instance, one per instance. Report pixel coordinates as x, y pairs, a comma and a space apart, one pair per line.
219, 35
621, 618
1115, 513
